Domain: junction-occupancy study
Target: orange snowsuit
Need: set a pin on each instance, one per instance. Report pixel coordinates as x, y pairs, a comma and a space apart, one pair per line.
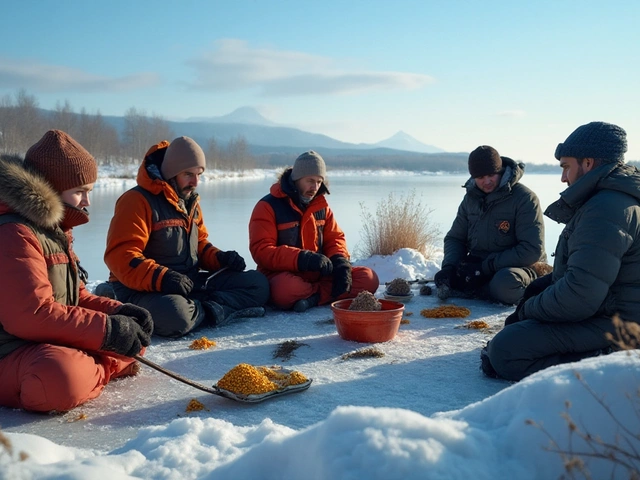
279, 230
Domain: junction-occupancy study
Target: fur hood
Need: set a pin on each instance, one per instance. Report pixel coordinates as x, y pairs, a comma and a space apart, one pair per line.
28, 194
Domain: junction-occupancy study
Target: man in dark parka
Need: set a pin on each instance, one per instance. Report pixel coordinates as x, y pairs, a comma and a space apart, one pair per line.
564, 316
496, 243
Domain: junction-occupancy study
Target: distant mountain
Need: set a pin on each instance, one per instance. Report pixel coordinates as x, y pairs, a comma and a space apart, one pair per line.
404, 141
244, 115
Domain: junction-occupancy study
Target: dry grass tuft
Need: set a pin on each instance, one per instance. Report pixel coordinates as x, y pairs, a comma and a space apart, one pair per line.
399, 222
622, 451
285, 349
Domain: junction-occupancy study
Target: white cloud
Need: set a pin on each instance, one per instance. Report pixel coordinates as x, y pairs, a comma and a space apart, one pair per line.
234, 65
57, 78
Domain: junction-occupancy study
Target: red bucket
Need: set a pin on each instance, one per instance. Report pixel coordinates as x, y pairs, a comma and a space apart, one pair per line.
369, 327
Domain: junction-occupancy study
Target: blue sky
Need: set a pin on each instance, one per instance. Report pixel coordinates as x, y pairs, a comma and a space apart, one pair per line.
519, 76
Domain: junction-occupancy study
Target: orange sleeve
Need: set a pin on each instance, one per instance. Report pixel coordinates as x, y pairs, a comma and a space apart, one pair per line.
127, 238
29, 310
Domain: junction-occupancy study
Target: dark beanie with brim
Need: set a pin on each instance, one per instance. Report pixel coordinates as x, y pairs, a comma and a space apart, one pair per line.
484, 160
598, 140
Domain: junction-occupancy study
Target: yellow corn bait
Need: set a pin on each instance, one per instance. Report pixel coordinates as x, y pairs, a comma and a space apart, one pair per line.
246, 379
446, 311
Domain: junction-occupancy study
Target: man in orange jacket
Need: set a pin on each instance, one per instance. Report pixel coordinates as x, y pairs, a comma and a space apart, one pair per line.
296, 242
159, 254
59, 344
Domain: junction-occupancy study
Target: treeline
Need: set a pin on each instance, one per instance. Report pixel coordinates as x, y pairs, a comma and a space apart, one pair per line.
22, 123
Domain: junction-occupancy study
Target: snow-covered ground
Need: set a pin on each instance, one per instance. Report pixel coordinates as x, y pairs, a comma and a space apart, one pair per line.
423, 410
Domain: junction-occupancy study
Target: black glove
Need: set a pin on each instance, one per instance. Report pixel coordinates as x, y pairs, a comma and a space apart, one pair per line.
515, 316
141, 316
231, 259
341, 276
537, 286
470, 271
124, 336
534, 288
444, 276
174, 282
314, 262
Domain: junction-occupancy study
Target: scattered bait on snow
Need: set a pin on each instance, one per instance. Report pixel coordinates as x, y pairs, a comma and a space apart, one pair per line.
285, 349
195, 406
367, 352
475, 325
446, 311
202, 343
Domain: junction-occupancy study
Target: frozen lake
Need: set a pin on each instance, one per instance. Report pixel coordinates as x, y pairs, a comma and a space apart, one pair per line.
228, 203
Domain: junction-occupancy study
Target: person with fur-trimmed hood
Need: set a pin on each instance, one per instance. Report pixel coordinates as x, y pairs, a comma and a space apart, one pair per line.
495, 246
59, 344
567, 315
159, 254
296, 242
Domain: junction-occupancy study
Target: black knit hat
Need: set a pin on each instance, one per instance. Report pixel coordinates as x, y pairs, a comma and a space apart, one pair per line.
598, 140
484, 160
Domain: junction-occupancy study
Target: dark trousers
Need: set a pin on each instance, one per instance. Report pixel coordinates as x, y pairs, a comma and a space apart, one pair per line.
176, 315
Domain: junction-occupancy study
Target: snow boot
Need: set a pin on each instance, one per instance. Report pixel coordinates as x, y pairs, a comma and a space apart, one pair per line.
485, 364
221, 315
306, 303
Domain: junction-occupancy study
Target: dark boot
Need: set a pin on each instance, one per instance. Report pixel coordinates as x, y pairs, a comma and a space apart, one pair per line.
306, 303
485, 364
221, 315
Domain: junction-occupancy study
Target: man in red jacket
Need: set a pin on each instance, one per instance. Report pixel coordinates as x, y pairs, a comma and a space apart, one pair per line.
59, 344
296, 242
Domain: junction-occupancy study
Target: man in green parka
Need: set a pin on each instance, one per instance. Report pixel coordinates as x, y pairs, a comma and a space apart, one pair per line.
495, 247
565, 316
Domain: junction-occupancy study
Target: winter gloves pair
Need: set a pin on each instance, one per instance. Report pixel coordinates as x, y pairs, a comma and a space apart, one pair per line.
177, 283
534, 288
468, 274
128, 330
337, 266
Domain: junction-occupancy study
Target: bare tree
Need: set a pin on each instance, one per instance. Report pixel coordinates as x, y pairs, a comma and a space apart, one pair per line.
213, 154
21, 123
65, 119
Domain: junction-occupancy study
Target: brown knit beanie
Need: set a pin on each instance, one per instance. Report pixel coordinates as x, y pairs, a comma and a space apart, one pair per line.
183, 153
484, 160
62, 161
308, 164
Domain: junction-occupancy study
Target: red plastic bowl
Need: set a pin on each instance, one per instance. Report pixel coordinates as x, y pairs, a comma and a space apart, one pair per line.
370, 327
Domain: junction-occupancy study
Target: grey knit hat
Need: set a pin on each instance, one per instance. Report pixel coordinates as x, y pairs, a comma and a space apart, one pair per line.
484, 160
308, 164
598, 140
181, 154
